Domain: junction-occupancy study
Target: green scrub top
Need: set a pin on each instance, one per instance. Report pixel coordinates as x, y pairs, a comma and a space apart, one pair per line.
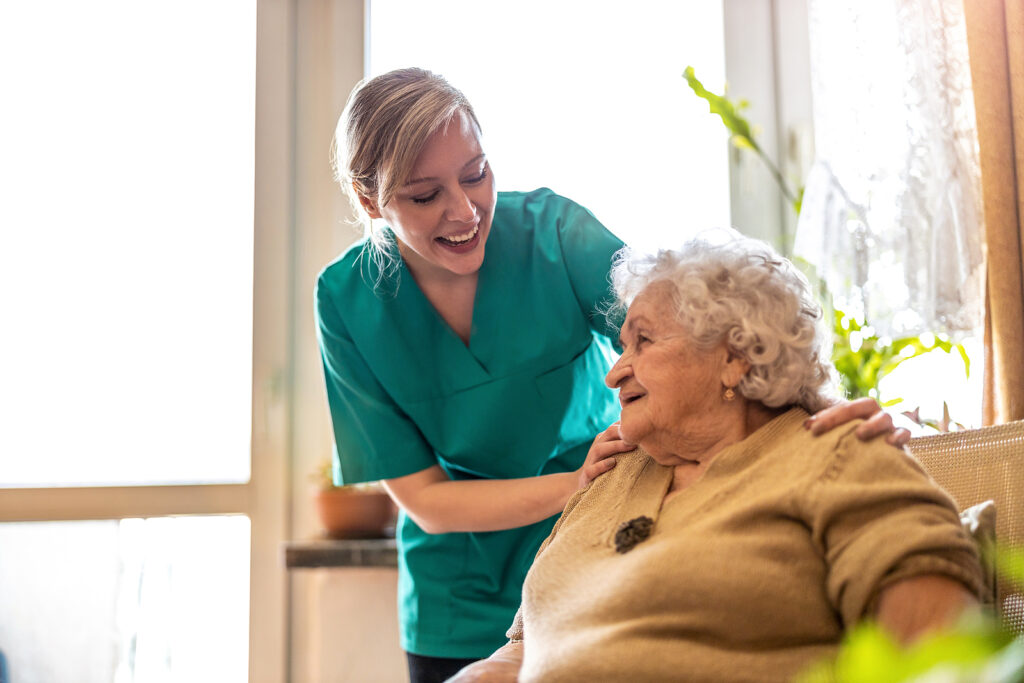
525, 397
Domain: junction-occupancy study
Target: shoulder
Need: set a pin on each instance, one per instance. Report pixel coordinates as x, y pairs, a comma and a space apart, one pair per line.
341, 268
617, 482
784, 444
839, 458
351, 274
540, 206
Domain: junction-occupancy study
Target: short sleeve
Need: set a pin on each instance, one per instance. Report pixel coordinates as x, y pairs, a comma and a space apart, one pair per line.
588, 249
879, 518
373, 438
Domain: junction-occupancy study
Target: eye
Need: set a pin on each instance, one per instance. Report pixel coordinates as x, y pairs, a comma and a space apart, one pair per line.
425, 199
642, 339
477, 179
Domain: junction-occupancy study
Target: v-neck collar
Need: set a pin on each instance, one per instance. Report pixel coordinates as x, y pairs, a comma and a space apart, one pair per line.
425, 317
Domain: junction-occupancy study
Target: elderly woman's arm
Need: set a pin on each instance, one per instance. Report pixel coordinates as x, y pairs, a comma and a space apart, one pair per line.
912, 607
501, 667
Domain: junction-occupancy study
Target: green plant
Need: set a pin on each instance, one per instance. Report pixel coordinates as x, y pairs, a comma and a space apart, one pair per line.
741, 132
860, 356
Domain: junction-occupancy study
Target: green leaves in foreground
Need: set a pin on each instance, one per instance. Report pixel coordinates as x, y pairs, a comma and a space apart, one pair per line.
976, 651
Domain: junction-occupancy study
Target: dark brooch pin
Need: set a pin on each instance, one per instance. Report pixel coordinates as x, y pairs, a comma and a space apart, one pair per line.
632, 532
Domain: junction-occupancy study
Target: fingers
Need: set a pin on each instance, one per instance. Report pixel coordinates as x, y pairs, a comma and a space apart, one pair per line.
899, 438
841, 413
594, 470
876, 425
876, 422
605, 449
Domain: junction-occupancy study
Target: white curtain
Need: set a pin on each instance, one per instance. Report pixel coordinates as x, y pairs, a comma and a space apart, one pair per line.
891, 214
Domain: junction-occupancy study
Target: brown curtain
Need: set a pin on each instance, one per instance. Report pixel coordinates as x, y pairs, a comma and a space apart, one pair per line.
995, 39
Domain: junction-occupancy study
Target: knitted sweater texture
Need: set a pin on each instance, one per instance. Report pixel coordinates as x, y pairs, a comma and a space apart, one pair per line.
752, 573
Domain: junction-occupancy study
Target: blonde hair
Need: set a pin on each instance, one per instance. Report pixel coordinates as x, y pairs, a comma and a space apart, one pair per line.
382, 131
740, 291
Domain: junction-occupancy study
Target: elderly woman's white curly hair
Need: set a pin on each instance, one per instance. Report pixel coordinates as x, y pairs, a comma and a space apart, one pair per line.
733, 288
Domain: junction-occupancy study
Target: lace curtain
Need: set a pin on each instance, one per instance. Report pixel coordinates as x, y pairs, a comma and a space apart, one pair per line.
891, 214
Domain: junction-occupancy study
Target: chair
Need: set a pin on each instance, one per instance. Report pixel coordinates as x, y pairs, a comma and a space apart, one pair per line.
976, 465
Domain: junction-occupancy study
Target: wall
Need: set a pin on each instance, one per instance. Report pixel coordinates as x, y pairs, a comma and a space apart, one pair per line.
767, 63
343, 621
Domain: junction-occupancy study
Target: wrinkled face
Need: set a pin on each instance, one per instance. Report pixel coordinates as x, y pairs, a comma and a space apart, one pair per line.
442, 215
664, 381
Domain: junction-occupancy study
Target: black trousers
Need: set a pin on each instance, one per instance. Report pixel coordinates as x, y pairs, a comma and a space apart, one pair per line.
433, 669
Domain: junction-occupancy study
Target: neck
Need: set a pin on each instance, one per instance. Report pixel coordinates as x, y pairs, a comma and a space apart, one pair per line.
452, 295
698, 443
693, 451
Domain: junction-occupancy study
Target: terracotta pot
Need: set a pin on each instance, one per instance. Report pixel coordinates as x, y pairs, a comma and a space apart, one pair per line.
349, 512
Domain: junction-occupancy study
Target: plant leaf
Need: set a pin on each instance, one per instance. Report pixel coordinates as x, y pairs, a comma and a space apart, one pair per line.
726, 110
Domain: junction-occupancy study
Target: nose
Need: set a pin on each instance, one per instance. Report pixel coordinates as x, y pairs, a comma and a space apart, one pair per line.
619, 372
461, 208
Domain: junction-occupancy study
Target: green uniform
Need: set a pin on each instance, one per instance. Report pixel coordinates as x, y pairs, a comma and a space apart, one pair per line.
525, 397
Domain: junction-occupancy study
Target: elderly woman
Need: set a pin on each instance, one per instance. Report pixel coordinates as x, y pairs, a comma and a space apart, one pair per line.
732, 545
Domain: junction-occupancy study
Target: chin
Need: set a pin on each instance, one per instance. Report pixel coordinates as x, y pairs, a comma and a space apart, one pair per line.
630, 433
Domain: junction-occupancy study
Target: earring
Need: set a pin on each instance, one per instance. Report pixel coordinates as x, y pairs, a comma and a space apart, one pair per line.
729, 394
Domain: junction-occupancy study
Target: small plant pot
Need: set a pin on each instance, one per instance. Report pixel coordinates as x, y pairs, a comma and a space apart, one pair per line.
350, 512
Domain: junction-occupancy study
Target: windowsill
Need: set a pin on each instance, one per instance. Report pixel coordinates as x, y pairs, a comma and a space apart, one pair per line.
326, 553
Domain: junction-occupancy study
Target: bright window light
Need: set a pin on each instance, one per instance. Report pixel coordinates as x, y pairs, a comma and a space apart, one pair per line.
126, 601
126, 241
584, 97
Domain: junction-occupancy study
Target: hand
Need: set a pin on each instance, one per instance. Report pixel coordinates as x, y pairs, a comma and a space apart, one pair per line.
599, 458
876, 422
501, 667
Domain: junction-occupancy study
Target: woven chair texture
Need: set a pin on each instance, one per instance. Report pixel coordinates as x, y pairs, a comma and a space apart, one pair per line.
976, 465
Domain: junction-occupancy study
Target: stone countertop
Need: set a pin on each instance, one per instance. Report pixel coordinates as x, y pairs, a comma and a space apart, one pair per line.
324, 552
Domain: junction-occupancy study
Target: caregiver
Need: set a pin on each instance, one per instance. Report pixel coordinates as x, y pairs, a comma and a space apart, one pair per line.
471, 384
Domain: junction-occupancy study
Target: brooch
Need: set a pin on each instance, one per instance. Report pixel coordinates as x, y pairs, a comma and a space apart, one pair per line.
632, 532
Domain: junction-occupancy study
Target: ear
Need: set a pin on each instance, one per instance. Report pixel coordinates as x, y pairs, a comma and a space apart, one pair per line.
734, 368
369, 205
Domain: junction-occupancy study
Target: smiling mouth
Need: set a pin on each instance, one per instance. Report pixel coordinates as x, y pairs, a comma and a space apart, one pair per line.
629, 398
457, 240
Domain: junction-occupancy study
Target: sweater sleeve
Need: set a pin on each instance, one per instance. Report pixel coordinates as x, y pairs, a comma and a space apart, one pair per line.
878, 518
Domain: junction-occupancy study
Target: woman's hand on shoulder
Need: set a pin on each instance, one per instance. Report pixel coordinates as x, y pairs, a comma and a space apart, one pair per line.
876, 421
599, 458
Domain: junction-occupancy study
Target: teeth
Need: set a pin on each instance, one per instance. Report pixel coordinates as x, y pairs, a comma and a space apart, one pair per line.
459, 239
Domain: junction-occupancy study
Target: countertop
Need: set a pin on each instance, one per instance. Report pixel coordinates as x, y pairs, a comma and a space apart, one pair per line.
324, 552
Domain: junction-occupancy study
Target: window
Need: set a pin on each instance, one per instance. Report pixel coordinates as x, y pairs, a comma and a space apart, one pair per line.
586, 98
133, 479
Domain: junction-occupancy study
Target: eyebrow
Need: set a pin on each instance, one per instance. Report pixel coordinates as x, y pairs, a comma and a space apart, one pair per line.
469, 163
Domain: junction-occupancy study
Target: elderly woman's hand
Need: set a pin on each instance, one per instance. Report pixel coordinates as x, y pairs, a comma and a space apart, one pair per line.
599, 458
501, 667
876, 421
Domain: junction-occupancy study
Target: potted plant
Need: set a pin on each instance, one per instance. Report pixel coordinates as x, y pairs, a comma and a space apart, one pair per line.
354, 510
